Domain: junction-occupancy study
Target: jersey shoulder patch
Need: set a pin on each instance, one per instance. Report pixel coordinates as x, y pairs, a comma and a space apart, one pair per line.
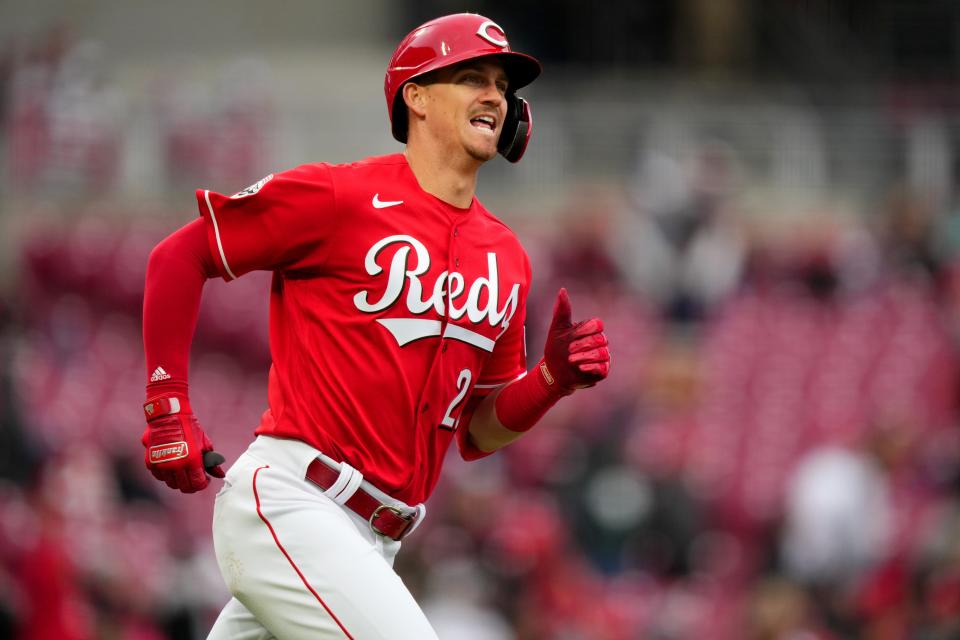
252, 189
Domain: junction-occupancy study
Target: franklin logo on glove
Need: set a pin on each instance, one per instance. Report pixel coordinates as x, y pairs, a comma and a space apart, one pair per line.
167, 452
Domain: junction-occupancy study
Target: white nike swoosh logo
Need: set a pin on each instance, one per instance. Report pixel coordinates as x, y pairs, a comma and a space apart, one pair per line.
383, 204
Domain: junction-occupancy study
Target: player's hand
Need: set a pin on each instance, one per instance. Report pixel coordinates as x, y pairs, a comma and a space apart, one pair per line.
576, 355
178, 452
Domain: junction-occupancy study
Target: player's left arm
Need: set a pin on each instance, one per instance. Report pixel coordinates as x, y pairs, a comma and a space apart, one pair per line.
575, 356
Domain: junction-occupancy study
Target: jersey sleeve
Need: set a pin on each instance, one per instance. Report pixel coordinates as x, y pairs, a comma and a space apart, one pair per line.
282, 222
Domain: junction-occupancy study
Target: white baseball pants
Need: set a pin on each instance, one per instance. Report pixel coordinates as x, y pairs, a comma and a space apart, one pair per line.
298, 564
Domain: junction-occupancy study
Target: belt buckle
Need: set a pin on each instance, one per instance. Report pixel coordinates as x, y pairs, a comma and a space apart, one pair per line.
397, 512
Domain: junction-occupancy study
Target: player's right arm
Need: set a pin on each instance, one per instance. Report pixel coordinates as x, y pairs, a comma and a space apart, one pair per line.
175, 443
283, 222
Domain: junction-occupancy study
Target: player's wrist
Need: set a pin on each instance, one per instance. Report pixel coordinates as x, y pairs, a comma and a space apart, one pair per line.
521, 404
166, 404
547, 378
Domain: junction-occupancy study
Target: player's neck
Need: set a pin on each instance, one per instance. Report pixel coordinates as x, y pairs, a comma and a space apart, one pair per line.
454, 183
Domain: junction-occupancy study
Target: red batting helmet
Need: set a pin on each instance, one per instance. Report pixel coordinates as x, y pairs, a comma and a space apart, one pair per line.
446, 41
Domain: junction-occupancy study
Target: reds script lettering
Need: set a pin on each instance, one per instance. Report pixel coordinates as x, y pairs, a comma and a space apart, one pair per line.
451, 282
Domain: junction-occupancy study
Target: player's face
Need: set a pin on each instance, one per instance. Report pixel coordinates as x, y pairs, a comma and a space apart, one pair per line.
469, 106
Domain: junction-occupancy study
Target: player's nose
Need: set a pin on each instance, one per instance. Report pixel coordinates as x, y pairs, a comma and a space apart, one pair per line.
492, 87
492, 96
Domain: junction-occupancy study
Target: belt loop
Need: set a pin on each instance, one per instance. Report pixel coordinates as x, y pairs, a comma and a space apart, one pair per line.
421, 514
346, 485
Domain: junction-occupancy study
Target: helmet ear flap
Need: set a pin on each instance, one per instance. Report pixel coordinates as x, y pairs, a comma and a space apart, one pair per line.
517, 127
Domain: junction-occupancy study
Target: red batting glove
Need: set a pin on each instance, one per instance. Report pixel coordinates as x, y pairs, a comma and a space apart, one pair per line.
176, 445
575, 355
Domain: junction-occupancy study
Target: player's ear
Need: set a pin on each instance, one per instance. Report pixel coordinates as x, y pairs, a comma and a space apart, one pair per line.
415, 97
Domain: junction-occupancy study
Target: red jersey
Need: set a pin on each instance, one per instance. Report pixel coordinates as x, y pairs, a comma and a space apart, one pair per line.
389, 309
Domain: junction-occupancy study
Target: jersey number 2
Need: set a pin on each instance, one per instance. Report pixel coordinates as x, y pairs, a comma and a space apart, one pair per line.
463, 384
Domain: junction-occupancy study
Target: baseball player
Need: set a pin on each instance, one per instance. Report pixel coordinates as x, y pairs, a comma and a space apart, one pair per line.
396, 327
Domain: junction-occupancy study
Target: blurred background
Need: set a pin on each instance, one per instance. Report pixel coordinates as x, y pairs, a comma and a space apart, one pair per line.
758, 196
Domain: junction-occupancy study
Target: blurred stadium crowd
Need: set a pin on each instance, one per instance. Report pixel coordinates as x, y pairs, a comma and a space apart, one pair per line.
775, 455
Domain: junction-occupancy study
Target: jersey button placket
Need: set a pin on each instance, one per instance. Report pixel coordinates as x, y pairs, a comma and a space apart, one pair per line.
455, 259
453, 247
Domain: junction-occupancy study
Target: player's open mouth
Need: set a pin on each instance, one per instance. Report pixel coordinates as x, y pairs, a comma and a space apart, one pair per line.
484, 122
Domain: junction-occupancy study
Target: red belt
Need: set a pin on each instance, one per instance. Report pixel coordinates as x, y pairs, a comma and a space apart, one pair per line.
385, 519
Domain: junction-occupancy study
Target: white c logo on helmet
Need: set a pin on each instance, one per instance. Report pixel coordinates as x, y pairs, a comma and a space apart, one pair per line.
498, 38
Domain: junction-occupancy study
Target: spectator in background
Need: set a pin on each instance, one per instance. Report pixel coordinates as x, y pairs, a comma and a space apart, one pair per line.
56, 607
458, 603
907, 234
853, 518
781, 610
838, 516
583, 254
219, 134
657, 448
64, 119
938, 576
85, 115
682, 249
